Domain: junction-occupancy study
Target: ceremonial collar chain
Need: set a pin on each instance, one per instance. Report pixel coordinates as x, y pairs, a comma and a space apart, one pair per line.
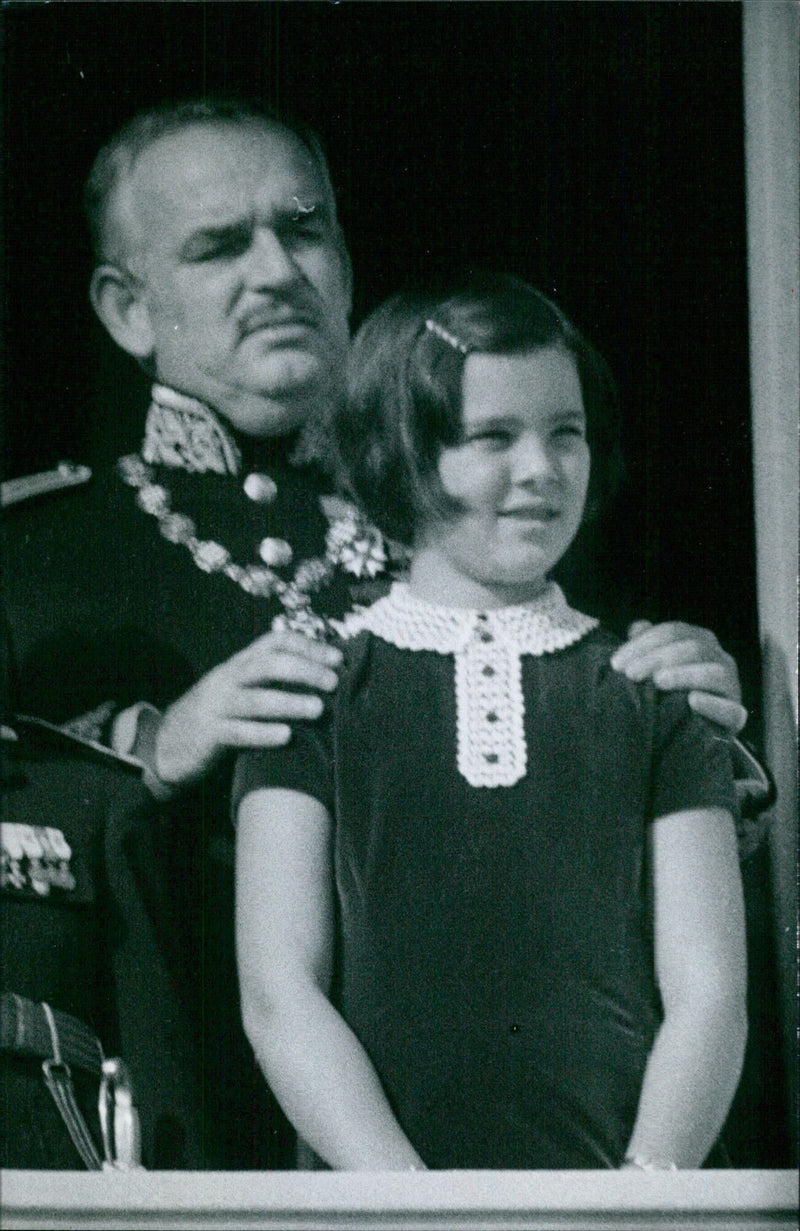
184, 434
487, 646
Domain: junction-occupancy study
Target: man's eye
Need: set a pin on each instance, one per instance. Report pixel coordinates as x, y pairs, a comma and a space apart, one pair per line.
567, 431
225, 249
307, 227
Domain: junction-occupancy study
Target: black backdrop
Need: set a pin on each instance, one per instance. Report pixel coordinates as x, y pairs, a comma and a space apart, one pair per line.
594, 148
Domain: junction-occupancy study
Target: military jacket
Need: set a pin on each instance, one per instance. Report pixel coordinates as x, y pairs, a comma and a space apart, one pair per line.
128, 588
106, 609
76, 933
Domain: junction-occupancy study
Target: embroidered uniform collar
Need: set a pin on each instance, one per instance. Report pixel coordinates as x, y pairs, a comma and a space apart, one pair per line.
185, 434
543, 626
487, 646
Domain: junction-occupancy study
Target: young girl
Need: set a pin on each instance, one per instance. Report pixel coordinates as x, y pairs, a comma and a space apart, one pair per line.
490, 914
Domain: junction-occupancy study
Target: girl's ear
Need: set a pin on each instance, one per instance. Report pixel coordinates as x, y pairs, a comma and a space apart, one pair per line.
118, 299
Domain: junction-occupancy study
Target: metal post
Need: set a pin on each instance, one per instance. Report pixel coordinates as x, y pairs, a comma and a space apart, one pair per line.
771, 31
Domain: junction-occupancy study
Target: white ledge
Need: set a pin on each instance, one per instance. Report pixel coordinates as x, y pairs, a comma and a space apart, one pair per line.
490, 1200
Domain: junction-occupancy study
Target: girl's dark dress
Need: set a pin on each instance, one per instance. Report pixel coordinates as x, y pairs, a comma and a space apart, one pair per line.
494, 948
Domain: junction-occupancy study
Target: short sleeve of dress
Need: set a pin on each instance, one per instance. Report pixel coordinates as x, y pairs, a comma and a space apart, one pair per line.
304, 764
692, 765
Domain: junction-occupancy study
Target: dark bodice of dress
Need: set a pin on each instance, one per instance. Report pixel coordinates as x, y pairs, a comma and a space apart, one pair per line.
494, 948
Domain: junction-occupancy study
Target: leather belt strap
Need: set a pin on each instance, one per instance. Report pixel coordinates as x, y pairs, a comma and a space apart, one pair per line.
25, 1030
31, 1028
28, 1028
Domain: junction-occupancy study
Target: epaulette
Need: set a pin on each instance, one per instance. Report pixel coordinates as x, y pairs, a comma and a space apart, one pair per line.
44, 733
65, 475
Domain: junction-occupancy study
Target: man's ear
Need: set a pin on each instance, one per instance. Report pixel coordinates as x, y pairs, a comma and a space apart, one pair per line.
118, 300
347, 267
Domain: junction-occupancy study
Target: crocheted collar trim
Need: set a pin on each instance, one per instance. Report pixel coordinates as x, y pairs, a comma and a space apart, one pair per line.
543, 626
184, 433
491, 748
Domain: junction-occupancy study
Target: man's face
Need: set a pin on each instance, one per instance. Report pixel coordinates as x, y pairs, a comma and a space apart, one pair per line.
230, 230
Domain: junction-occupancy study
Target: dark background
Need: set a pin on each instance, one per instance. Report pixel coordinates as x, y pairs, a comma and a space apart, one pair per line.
594, 148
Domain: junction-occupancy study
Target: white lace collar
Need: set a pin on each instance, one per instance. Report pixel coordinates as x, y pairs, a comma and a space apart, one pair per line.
487, 647
542, 626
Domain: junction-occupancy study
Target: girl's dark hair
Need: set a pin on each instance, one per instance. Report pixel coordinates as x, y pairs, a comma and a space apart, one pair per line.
404, 392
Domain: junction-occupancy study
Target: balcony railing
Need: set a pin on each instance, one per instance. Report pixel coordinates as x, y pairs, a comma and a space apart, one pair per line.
490, 1200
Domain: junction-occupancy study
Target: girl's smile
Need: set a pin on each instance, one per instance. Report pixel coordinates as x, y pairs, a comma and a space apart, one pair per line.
519, 478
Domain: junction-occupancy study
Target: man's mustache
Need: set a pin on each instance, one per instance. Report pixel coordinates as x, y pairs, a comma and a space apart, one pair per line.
275, 313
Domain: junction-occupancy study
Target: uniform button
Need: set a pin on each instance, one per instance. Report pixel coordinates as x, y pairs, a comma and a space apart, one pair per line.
260, 488
491, 757
484, 636
491, 716
487, 670
276, 553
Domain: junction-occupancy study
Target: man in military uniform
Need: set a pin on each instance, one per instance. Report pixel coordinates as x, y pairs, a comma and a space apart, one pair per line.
162, 608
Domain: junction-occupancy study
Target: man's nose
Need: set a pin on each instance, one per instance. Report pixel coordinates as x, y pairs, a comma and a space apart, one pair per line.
269, 262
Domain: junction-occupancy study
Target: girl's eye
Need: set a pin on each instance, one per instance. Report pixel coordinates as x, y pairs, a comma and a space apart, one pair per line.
495, 437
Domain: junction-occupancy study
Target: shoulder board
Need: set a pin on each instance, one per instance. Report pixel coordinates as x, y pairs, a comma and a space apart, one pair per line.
66, 474
49, 733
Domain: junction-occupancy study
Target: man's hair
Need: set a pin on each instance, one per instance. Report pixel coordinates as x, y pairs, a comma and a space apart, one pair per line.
405, 392
117, 158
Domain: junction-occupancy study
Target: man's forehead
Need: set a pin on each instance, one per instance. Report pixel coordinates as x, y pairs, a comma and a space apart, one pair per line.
211, 172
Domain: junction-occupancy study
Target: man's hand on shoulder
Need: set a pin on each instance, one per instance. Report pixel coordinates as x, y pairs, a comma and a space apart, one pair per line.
676, 655
244, 703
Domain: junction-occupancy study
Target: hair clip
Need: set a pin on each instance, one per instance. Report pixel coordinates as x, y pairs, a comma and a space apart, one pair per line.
301, 211
446, 336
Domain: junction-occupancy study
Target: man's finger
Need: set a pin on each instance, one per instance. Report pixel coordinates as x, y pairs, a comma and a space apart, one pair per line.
281, 667
728, 714
257, 734
701, 677
270, 704
645, 663
677, 654
286, 641
659, 635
